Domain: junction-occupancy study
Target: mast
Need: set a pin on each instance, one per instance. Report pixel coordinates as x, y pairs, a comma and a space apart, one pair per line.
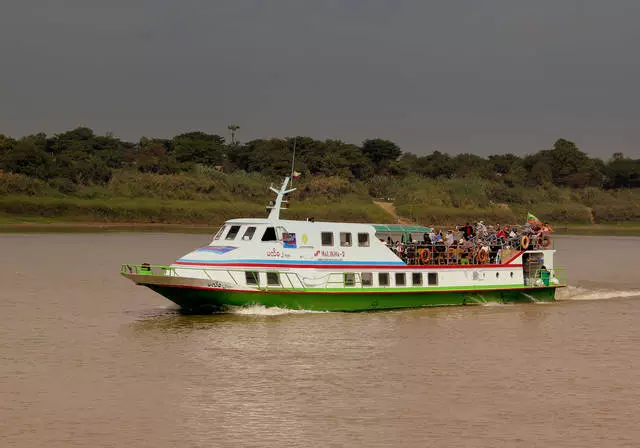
274, 214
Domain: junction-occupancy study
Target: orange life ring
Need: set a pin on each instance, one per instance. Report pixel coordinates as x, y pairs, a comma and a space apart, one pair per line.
482, 256
524, 242
425, 255
546, 241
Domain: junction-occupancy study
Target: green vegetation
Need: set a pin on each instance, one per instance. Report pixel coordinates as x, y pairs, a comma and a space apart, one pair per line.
198, 178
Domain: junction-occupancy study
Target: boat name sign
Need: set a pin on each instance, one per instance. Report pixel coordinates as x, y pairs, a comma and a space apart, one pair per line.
329, 253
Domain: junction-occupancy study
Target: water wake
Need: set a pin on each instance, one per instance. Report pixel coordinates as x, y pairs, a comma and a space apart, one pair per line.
579, 293
261, 310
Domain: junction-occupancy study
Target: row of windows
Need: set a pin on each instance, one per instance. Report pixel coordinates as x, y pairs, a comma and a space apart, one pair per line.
366, 278
345, 239
270, 234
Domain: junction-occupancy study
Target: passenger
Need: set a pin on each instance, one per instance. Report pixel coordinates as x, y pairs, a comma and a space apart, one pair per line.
502, 233
545, 275
467, 245
464, 259
481, 229
468, 231
546, 228
449, 238
494, 249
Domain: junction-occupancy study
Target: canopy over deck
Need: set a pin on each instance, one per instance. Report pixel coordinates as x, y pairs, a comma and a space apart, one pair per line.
404, 230
401, 228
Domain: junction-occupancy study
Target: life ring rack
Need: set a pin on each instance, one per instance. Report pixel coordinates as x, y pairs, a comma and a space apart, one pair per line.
482, 256
424, 255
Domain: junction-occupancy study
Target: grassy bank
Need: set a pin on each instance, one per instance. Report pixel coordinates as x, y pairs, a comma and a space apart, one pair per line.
59, 225
60, 214
152, 211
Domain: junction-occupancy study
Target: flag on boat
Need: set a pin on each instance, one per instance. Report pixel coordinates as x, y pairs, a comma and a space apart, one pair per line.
531, 219
296, 174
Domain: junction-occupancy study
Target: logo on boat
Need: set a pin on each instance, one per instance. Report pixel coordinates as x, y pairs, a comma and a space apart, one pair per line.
289, 240
329, 253
273, 253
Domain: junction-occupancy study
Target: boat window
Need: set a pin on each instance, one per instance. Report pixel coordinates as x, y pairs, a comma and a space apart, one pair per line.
280, 231
345, 239
327, 238
401, 279
366, 279
251, 278
416, 278
383, 279
363, 240
220, 232
349, 279
273, 279
270, 234
248, 234
233, 232
432, 278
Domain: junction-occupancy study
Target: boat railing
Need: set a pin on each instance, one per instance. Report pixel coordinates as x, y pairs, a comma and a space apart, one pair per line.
556, 276
487, 250
148, 269
287, 280
553, 277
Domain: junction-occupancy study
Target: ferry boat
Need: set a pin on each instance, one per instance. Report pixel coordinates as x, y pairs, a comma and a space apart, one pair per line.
331, 266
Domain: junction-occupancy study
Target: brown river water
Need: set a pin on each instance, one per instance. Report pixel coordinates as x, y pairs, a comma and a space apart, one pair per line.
87, 359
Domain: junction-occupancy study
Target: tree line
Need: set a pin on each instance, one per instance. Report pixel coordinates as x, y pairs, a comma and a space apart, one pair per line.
80, 157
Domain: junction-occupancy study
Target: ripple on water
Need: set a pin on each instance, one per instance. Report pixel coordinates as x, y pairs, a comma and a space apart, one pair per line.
580, 293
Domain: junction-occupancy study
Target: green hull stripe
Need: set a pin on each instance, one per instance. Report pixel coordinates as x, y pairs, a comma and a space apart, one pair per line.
206, 300
394, 290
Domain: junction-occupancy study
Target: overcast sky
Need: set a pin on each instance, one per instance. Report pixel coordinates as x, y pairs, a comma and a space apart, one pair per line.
481, 76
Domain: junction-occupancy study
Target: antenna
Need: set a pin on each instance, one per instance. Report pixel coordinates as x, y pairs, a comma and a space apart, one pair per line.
293, 159
274, 214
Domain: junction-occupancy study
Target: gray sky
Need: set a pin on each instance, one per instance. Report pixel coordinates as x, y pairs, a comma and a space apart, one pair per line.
461, 76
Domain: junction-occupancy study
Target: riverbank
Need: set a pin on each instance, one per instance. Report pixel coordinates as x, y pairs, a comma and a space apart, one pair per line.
51, 225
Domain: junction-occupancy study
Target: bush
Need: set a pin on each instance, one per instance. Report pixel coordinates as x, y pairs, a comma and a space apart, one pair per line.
568, 213
322, 189
63, 185
19, 184
615, 212
446, 216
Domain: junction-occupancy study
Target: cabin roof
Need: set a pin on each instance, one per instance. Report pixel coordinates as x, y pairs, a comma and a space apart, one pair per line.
320, 224
248, 221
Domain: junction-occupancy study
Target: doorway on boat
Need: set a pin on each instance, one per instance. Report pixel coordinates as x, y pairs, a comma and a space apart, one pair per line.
531, 264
